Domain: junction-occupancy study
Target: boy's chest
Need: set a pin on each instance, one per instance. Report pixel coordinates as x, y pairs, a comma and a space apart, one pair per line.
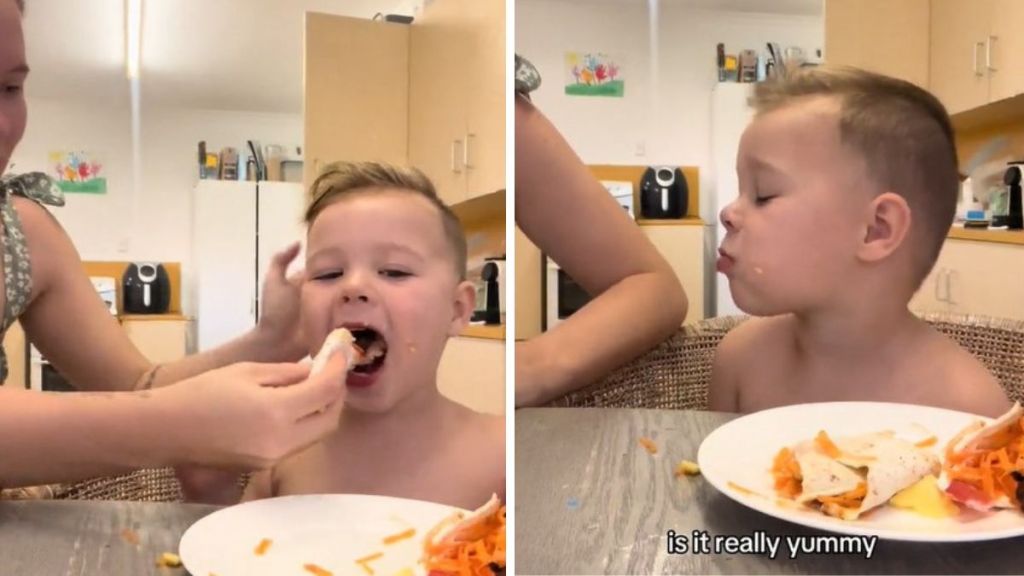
444, 477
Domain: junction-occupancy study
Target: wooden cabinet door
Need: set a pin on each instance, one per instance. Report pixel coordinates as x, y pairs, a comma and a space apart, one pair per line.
959, 30
472, 373
984, 278
438, 87
683, 248
160, 341
357, 88
485, 71
884, 36
1006, 45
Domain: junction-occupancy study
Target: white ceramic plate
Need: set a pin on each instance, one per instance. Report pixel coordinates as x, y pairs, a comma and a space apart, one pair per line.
331, 531
741, 452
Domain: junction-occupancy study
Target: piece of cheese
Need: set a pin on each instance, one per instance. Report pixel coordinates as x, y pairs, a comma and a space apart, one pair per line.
925, 498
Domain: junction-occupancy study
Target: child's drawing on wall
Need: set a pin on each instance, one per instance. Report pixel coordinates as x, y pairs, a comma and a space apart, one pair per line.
593, 74
76, 172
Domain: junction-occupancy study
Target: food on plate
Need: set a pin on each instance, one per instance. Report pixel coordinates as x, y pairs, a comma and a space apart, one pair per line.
364, 562
926, 498
404, 535
168, 560
649, 445
316, 570
263, 546
984, 464
687, 468
468, 544
363, 348
846, 477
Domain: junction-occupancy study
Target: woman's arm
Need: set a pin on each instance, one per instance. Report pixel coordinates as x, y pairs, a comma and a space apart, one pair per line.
242, 417
566, 212
69, 324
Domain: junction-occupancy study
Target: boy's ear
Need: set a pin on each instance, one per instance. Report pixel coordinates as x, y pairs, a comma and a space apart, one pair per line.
888, 223
465, 303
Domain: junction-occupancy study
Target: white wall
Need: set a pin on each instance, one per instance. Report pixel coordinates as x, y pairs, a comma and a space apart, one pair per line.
154, 222
666, 109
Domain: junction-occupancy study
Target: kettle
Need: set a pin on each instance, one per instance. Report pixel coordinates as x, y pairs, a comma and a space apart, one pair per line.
147, 288
1015, 212
663, 193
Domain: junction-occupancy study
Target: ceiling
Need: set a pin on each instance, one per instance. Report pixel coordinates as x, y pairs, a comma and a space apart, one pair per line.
214, 54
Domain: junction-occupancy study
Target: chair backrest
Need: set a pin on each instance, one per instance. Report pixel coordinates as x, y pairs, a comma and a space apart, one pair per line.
146, 485
676, 373
673, 375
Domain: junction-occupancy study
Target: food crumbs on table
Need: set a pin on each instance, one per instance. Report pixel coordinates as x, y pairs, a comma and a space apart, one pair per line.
572, 503
316, 570
649, 445
388, 540
364, 562
687, 468
130, 536
168, 560
263, 546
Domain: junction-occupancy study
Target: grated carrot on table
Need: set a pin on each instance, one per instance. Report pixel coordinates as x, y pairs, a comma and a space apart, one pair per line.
263, 546
649, 445
473, 553
399, 537
316, 570
130, 536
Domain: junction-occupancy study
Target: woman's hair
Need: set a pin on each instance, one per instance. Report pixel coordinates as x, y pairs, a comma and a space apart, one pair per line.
21, 5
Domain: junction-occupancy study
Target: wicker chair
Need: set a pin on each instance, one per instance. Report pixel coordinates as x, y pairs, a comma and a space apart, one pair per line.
677, 372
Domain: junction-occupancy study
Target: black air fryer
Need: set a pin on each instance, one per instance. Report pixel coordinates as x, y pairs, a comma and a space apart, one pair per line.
147, 288
663, 193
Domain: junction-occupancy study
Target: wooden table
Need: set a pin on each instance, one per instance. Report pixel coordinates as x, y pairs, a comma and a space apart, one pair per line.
56, 538
590, 500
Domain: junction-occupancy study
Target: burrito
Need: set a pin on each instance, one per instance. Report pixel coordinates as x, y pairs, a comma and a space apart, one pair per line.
984, 466
847, 477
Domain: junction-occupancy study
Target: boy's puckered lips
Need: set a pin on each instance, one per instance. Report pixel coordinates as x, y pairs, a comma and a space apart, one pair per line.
725, 262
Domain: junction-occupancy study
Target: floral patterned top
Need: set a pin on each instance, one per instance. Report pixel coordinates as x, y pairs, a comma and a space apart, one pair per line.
17, 265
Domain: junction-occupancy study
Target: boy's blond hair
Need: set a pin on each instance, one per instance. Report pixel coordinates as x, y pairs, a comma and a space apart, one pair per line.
343, 179
904, 135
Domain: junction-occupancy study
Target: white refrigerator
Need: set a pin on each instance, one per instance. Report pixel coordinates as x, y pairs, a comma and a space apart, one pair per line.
730, 114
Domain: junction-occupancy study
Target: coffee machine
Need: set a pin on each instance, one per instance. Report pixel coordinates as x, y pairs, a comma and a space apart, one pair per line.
1012, 178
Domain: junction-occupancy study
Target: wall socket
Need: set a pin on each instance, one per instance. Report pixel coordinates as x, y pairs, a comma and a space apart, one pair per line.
640, 149
124, 245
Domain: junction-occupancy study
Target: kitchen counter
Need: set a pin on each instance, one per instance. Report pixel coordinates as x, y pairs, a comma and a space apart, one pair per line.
987, 235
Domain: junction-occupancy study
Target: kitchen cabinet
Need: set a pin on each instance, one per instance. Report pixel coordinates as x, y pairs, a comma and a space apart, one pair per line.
972, 277
237, 229
14, 347
977, 55
884, 36
683, 247
457, 97
472, 373
356, 91
160, 338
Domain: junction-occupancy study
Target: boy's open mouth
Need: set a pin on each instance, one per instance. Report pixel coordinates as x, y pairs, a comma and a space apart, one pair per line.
373, 347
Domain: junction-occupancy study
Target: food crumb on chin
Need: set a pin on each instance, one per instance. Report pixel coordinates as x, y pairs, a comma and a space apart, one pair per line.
758, 270
412, 347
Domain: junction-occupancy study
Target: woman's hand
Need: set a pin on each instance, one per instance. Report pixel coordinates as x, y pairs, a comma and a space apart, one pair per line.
249, 416
279, 329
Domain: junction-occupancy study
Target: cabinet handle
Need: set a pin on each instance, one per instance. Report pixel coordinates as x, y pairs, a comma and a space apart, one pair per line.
465, 151
938, 281
949, 287
456, 144
974, 63
988, 52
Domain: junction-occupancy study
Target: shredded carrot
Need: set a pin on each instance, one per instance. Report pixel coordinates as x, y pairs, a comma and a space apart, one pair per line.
316, 570
989, 465
849, 499
263, 546
929, 441
473, 554
130, 536
786, 471
649, 445
370, 558
399, 537
825, 444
